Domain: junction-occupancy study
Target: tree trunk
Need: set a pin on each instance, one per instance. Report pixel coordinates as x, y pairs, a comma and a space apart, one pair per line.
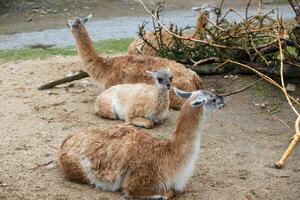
290, 71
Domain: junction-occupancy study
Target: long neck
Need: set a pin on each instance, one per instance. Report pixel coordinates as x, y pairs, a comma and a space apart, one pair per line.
184, 148
85, 49
188, 123
201, 22
160, 99
161, 93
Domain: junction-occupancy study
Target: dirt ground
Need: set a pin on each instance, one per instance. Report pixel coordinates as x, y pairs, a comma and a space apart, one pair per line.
239, 143
35, 15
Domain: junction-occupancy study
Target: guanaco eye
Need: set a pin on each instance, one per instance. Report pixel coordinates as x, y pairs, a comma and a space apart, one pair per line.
160, 80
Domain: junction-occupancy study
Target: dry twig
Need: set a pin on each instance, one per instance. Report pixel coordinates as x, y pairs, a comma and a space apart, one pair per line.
42, 165
206, 60
241, 89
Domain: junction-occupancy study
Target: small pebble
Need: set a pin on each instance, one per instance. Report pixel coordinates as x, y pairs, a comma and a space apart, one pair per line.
2, 184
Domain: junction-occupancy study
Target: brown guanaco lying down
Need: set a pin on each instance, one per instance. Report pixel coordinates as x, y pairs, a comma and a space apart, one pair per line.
127, 159
110, 71
139, 104
139, 47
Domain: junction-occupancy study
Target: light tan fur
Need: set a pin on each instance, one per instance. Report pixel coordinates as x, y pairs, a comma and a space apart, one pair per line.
141, 104
131, 68
139, 47
125, 158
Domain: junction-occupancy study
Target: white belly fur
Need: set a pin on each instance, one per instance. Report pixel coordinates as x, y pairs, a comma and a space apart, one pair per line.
119, 109
86, 166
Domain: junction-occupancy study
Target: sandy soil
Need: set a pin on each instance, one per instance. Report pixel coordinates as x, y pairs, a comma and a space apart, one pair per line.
239, 143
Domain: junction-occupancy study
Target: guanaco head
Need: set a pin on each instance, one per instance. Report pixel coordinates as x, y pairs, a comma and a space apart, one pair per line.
205, 8
73, 23
207, 99
204, 14
163, 78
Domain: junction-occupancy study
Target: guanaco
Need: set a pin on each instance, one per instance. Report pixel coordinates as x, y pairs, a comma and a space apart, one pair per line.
110, 71
139, 47
139, 104
128, 159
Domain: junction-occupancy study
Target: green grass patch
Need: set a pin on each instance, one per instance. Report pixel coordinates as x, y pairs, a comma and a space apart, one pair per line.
104, 46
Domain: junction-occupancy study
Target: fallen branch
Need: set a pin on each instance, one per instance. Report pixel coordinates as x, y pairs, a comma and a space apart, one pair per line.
241, 89
287, 153
208, 69
76, 76
290, 71
296, 137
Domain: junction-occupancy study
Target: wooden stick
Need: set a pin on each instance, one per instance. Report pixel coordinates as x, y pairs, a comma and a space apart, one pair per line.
296, 137
287, 153
76, 76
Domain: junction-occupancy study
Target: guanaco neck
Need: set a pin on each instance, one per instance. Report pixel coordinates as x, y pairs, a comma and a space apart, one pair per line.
161, 93
201, 22
85, 48
187, 128
162, 96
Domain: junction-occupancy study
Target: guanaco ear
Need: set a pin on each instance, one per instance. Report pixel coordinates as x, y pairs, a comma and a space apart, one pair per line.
182, 94
151, 74
197, 102
86, 19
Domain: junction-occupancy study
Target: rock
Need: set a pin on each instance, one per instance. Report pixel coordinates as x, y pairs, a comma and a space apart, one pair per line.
2, 184
264, 105
29, 20
290, 87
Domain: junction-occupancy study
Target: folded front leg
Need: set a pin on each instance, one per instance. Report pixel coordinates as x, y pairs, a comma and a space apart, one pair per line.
141, 122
